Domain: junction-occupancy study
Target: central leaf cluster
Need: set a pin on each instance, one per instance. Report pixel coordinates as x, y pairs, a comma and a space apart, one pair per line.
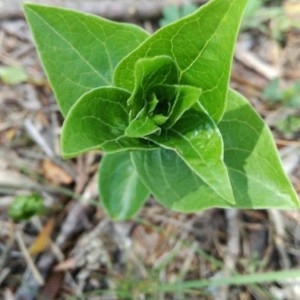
158, 113
157, 99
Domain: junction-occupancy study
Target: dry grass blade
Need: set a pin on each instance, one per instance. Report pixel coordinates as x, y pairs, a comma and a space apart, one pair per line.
37, 276
42, 241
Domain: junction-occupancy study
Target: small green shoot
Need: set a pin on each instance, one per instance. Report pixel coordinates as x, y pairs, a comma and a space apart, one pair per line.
289, 96
26, 206
259, 13
288, 125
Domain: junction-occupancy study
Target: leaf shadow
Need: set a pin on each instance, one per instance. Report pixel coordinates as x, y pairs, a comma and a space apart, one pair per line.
241, 129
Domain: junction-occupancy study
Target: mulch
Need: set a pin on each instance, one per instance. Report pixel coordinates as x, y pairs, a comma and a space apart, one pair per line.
75, 251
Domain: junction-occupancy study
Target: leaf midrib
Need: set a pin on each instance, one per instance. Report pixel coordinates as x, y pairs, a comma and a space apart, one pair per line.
202, 160
205, 45
71, 46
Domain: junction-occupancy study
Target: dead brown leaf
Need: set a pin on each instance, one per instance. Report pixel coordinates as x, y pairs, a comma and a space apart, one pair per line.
42, 241
55, 173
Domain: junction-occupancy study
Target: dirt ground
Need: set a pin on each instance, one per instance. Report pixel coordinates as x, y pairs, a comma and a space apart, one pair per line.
74, 251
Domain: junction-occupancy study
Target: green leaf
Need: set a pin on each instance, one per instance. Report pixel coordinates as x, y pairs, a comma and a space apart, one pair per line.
197, 140
182, 98
121, 191
98, 121
202, 47
173, 183
141, 127
256, 173
257, 177
79, 51
149, 73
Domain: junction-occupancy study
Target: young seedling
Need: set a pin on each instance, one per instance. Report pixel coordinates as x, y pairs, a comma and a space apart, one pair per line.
160, 108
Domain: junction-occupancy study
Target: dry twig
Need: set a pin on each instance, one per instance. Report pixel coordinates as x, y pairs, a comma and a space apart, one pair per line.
253, 62
35, 272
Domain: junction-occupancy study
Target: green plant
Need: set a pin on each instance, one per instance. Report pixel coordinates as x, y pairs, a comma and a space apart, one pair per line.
259, 13
289, 96
288, 123
160, 108
26, 206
